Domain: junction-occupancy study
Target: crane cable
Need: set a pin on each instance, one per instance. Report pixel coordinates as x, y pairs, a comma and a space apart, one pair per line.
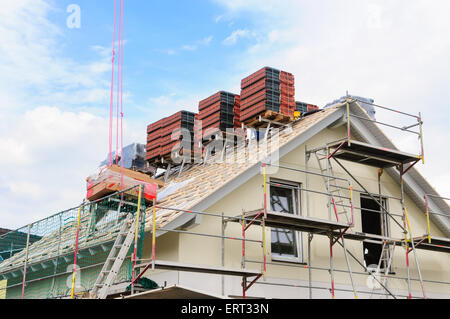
119, 94
121, 91
111, 106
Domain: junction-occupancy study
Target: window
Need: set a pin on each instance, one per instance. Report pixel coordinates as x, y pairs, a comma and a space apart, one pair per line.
373, 222
285, 244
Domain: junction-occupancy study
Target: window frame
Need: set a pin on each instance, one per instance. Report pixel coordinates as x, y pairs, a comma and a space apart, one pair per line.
296, 188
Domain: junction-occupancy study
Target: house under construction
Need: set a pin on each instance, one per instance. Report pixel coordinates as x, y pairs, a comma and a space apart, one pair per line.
323, 206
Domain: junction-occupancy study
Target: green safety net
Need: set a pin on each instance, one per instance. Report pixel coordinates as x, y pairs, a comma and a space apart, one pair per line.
45, 250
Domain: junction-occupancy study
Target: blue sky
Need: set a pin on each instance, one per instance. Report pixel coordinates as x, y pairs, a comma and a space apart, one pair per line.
54, 81
176, 49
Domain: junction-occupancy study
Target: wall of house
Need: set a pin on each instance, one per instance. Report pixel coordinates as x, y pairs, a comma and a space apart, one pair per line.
208, 251
3, 285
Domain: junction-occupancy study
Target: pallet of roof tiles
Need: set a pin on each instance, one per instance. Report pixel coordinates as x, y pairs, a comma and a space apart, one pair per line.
153, 146
109, 180
268, 116
176, 153
267, 90
264, 73
304, 108
312, 108
160, 135
217, 112
261, 108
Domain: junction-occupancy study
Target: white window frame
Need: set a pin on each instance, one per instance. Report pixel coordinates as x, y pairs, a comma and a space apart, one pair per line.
296, 189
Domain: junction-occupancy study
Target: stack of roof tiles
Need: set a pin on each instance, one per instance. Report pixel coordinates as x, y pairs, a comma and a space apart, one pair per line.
219, 111
305, 107
267, 90
159, 134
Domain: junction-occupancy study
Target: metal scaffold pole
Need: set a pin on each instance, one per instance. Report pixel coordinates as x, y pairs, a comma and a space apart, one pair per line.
136, 231
57, 258
154, 235
427, 212
26, 262
411, 239
264, 221
349, 268
331, 266
224, 225
72, 294
307, 157
310, 238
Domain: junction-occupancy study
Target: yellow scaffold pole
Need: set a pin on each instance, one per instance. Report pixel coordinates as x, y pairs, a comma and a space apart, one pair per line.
72, 294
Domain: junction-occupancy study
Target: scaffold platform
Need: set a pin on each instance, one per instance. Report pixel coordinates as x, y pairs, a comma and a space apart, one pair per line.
367, 154
298, 223
360, 236
175, 266
438, 244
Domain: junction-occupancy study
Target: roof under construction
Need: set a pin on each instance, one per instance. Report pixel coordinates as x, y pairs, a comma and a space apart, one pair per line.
193, 189
203, 180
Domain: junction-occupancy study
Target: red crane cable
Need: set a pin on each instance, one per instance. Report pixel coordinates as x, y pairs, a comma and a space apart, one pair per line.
121, 88
119, 96
118, 84
111, 107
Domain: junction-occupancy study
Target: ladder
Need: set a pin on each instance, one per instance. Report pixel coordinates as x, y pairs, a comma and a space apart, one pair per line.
335, 191
115, 259
336, 199
385, 262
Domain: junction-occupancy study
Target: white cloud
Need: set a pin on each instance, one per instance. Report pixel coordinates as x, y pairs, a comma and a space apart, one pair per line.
15, 152
47, 156
26, 189
47, 150
235, 35
188, 47
207, 40
203, 42
50, 154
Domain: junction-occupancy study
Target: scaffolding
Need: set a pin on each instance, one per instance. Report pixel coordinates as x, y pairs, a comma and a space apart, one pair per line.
381, 157
265, 217
90, 230
337, 231
61, 256
347, 149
